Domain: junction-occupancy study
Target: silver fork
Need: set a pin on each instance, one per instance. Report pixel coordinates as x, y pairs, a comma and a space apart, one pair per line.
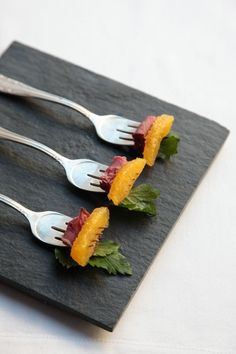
111, 128
41, 223
82, 173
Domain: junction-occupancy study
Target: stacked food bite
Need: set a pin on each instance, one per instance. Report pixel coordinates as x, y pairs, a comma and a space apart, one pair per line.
149, 135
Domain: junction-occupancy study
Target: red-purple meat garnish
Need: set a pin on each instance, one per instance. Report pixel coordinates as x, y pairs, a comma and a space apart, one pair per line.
110, 173
141, 132
74, 227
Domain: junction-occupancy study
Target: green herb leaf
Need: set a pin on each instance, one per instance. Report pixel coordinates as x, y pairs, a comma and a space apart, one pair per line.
169, 146
142, 198
114, 263
106, 256
105, 248
64, 258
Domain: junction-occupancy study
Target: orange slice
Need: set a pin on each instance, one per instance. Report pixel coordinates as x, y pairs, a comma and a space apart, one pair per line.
124, 180
159, 129
84, 245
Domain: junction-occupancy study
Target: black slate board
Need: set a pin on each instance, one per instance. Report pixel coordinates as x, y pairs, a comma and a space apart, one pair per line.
38, 182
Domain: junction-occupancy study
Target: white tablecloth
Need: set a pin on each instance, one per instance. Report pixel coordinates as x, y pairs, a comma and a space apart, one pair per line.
183, 52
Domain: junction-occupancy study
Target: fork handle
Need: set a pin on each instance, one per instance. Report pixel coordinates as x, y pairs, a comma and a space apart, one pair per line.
13, 87
8, 135
12, 203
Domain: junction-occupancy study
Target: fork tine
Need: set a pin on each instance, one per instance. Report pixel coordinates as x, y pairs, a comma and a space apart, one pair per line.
95, 184
128, 131
93, 176
58, 238
127, 139
125, 142
97, 174
58, 229
126, 136
134, 124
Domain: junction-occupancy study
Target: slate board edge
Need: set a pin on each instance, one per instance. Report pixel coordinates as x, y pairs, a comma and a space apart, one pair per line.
180, 215
46, 301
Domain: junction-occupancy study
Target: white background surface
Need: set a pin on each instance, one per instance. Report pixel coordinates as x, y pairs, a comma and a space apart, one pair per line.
183, 52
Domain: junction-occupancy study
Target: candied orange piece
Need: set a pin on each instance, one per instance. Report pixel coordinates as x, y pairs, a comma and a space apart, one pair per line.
124, 180
84, 245
159, 129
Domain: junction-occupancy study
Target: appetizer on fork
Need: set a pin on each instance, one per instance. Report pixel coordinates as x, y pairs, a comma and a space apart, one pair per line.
145, 137
120, 177
81, 242
83, 238
83, 233
118, 180
149, 138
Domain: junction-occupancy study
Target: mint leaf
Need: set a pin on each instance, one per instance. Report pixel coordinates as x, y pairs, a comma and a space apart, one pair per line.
169, 146
142, 198
114, 263
64, 258
105, 248
106, 256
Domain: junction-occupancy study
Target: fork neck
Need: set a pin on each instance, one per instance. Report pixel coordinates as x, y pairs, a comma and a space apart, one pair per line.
17, 206
14, 87
94, 118
8, 135
71, 104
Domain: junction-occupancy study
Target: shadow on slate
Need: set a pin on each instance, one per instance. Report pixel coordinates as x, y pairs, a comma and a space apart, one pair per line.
39, 182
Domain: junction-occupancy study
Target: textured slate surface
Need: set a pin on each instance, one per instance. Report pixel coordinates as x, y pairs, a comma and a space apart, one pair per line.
39, 182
